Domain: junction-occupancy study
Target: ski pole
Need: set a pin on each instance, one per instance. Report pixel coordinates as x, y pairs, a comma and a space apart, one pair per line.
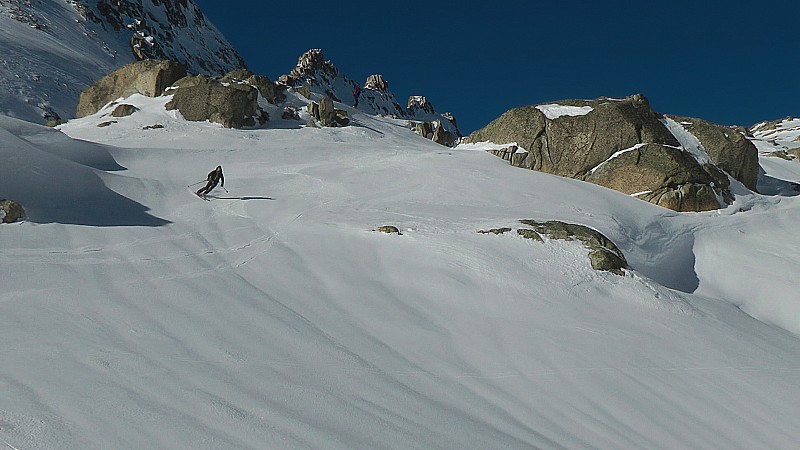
194, 184
223, 187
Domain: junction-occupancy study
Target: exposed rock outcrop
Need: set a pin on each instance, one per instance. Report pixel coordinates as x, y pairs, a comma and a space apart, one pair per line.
11, 211
730, 149
312, 69
123, 110
603, 253
148, 78
388, 229
231, 105
443, 137
434, 131
664, 175
271, 91
376, 83
424, 129
618, 143
328, 116
419, 105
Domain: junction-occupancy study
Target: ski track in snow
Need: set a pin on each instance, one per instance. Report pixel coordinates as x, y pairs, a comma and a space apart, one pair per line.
288, 323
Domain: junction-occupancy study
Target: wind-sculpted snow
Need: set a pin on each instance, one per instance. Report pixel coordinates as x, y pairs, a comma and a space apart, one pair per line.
60, 180
274, 317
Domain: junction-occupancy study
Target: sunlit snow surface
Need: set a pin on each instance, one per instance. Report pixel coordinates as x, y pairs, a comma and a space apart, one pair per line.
136, 315
554, 111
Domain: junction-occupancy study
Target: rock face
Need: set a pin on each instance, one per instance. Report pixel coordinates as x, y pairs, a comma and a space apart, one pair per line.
10, 211
419, 105
667, 176
148, 78
434, 131
376, 83
40, 81
230, 104
621, 144
443, 137
731, 150
167, 29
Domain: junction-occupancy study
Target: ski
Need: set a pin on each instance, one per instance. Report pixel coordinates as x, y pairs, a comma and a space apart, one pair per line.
199, 196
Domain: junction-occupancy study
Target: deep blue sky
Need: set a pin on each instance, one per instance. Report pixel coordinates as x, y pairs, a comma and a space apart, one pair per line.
732, 62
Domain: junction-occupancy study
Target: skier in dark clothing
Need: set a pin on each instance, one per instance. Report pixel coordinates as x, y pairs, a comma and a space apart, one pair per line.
356, 94
214, 177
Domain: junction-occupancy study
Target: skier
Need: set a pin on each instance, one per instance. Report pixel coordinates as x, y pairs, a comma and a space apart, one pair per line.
356, 94
214, 177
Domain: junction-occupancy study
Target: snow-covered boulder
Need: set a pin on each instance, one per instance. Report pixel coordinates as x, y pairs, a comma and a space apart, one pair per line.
10, 211
148, 78
618, 143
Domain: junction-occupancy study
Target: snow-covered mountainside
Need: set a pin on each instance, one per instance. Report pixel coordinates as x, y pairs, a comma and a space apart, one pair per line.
777, 142
137, 315
50, 50
323, 77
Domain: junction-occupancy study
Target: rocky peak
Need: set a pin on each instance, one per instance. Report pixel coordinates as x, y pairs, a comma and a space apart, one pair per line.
312, 69
376, 83
321, 77
418, 104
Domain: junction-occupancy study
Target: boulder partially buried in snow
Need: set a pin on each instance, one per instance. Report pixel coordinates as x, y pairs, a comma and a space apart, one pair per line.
10, 211
388, 229
148, 78
604, 254
618, 143
124, 110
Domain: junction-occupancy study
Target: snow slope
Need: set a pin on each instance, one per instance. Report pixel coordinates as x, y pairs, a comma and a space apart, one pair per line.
273, 317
